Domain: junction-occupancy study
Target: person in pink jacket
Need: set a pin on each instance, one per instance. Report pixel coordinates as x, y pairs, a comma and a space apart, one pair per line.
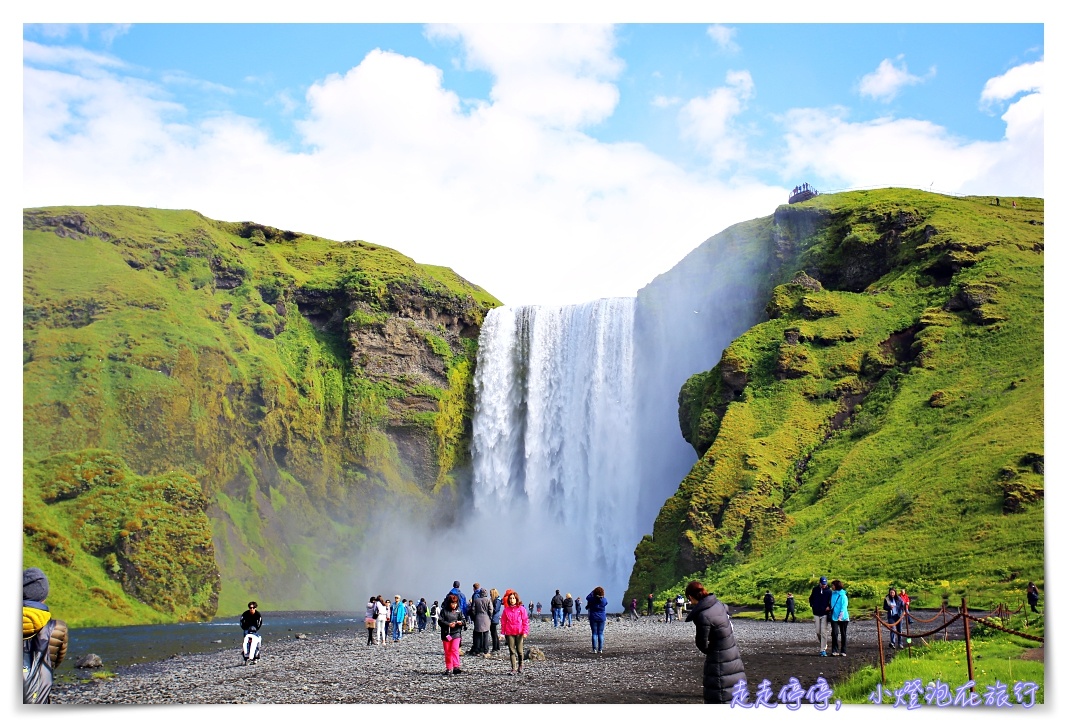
514, 626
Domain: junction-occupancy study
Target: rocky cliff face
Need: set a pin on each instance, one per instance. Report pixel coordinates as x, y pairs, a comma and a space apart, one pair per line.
822, 433
301, 382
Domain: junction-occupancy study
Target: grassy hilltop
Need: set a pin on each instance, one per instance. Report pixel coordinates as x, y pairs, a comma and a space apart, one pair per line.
883, 424
214, 410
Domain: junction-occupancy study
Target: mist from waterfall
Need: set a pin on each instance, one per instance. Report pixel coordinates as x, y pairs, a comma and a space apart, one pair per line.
554, 442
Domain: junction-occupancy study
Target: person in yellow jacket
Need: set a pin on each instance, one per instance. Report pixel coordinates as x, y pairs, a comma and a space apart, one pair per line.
44, 639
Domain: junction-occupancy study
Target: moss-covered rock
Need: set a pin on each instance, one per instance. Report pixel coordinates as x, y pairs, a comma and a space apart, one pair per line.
862, 430
301, 382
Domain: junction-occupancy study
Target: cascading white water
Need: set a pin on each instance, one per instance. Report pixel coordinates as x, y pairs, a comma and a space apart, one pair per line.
554, 444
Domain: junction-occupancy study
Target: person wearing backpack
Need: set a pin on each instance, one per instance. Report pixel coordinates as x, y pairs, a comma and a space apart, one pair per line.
44, 639
369, 619
420, 613
769, 606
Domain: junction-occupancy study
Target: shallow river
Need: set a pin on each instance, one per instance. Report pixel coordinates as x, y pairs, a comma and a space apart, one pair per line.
122, 646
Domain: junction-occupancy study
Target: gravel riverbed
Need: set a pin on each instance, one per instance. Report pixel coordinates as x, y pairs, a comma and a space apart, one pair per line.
644, 661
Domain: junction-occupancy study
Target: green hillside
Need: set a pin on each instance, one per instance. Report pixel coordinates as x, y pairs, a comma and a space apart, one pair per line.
884, 424
266, 389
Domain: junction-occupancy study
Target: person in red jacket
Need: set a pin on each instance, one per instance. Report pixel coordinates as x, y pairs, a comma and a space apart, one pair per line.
514, 626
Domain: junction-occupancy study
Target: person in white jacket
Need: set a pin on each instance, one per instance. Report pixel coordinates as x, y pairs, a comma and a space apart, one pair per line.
380, 620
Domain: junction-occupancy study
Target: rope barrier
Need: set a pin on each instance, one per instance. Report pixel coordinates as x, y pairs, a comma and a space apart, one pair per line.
940, 628
1000, 612
998, 627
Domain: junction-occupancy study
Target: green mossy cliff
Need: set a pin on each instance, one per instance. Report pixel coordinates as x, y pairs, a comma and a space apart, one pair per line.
884, 423
267, 389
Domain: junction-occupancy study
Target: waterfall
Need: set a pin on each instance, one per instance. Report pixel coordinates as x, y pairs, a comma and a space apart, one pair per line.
554, 439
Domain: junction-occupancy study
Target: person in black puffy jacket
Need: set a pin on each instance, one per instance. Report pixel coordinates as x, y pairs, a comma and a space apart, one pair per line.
714, 636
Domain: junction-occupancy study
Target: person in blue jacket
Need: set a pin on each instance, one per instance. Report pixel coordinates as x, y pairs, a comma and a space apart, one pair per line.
596, 605
839, 617
459, 597
397, 618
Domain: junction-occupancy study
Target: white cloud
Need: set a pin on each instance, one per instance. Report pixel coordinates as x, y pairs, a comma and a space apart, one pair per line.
109, 33
724, 37
709, 120
887, 80
1021, 79
67, 56
514, 198
917, 153
183, 79
664, 102
559, 75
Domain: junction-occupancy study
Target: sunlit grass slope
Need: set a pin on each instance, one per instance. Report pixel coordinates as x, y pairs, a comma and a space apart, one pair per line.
244, 357
884, 425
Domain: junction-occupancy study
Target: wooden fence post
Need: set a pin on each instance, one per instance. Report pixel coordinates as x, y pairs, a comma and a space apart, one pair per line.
967, 640
882, 660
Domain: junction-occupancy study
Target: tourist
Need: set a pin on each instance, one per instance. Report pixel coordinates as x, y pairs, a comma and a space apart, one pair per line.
515, 625
381, 617
498, 607
633, 611
669, 609
44, 639
790, 608
569, 608
251, 619
433, 614
557, 606
538, 605
596, 605
820, 602
714, 637
894, 608
1032, 596
369, 620
420, 613
769, 606
906, 604
530, 610
680, 606
460, 598
474, 595
839, 617
649, 604
482, 616
452, 626
397, 618
578, 609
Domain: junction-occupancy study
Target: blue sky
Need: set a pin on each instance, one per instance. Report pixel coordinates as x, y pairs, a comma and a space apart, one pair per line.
546, 163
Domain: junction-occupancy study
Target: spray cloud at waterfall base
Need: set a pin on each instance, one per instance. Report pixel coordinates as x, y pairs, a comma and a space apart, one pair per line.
576, 437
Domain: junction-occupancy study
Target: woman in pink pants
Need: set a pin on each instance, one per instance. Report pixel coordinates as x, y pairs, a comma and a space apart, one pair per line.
452, 626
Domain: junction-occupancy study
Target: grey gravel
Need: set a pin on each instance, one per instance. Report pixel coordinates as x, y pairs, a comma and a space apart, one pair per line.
645, 661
